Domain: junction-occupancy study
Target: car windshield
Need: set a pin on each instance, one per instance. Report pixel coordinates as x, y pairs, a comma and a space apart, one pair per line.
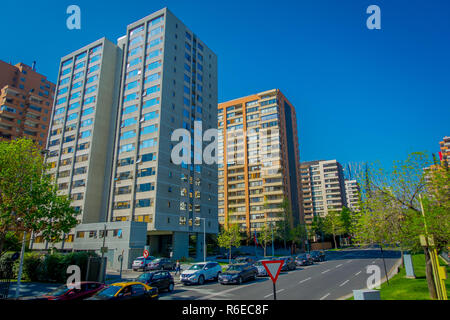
301, 256
156, 260
235, 268
109, 291
59, 291
139, 259
144, 277
197, 267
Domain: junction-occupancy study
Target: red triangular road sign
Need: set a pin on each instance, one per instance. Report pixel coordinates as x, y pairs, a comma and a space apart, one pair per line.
273, 268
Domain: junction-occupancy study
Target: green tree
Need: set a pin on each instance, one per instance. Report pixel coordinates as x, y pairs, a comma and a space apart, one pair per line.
299, 234
283, 225
391, 215
29, 201
230, 237
347, 220
333, 225
265, 236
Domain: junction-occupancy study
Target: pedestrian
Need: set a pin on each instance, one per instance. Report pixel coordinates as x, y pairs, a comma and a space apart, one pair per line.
177, 267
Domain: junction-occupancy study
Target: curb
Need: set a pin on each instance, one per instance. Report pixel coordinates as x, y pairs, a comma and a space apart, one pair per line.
391, 273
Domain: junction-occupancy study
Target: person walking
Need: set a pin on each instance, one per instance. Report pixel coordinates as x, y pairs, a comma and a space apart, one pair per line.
177, 267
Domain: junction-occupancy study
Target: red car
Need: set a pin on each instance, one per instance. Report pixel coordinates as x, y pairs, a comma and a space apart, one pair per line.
65, 293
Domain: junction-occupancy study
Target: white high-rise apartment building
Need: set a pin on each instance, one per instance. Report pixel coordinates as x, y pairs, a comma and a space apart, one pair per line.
169, 81
323, 188
116, 107
352, 193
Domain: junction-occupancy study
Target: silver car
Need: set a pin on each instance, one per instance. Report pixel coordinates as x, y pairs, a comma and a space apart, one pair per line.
141, 263
261, 270
201, 272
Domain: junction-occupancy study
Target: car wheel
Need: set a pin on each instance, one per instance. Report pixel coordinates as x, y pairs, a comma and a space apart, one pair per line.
201, 280
217, 276
170, 288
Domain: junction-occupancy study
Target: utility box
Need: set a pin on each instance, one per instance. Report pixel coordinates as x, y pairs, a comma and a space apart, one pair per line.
409, 268
366, 294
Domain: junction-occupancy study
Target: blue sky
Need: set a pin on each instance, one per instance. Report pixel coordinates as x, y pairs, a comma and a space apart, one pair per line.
360, 95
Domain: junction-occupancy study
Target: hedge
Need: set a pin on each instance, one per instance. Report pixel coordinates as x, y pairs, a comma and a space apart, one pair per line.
39, 267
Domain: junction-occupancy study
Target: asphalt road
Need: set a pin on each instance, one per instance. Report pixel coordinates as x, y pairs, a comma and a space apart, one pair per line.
339, 275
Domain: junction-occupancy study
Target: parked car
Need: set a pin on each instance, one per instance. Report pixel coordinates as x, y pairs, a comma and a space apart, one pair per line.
70, 293
141, 263
162, 280
126, 291
260, 267
304, 259
289, 264
161, 264
238, 273
245, 259
201, 272
317, 256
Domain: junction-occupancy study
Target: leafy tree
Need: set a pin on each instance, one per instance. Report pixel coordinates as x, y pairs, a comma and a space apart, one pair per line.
347, 220
333, 225
284, 224
391, 214
300, 233
265, 236
29, 201
230, 237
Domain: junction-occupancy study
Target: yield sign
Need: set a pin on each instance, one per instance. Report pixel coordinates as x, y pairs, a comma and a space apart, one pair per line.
273, 268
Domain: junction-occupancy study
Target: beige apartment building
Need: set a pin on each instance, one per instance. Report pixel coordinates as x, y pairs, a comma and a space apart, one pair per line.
323, 188
26, 100
258, 160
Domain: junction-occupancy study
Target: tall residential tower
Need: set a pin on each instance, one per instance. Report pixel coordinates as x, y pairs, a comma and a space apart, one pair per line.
258, 161
26, 99
169, 82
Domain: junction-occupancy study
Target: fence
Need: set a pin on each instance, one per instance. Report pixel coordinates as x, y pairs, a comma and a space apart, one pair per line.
6, 274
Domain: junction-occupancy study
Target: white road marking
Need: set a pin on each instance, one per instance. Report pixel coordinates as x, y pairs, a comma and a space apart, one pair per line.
343, 283
349, 261
212, 295
325, 296
373, 261
358, 273
325, 271
271, 294
339, 265
304, 280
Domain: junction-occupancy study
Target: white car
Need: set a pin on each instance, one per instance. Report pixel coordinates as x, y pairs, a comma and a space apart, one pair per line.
200, 272
141, 263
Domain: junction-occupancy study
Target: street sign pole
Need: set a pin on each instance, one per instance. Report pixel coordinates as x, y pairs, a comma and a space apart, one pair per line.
273, 269
274, 292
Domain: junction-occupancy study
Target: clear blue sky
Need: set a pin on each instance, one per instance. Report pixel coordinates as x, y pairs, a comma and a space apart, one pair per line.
360, 95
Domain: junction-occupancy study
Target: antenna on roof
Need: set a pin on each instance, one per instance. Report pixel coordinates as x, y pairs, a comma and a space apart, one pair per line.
34, 66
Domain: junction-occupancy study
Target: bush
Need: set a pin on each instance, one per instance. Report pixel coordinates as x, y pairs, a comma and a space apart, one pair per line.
39, 267
32, 266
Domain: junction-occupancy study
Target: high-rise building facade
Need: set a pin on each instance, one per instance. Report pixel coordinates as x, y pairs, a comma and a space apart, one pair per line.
444, 154
169, 82
26, 99
258, 161
352, 194
323, 188
117, 109
81, 139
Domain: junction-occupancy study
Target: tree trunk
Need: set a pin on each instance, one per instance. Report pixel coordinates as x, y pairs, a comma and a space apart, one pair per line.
429, 274
265, 249
229, 256
334, 239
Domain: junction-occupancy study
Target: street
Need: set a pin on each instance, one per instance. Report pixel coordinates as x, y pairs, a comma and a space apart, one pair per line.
338, 276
